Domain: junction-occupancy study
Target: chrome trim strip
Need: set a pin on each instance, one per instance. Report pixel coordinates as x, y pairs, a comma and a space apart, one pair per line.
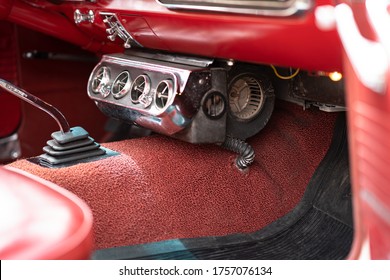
259, 8
173, 58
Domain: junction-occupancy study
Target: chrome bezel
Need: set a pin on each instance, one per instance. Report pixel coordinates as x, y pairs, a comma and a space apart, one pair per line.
144, 93
168, 85
104, 80
126, 86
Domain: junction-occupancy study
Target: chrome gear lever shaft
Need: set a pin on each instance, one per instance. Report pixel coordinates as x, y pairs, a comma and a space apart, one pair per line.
37, 102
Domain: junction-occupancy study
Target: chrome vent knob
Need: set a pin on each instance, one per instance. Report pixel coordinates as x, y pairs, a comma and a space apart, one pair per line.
121, 85
164, 92
79, 17
140, 91
100, 81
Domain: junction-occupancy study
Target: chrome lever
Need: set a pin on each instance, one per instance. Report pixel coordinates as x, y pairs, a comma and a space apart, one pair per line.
37, 102
110, 30
113, 36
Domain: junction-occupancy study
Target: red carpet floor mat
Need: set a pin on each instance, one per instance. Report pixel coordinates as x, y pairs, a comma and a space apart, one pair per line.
319, 227
160, 188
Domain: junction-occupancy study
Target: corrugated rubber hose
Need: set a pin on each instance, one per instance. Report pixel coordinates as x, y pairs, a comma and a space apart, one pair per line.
246, 152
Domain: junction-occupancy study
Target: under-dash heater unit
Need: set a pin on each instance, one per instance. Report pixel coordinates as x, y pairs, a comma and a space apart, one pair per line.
185, 101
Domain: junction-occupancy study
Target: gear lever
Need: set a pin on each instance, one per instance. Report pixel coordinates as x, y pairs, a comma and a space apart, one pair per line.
37, 102
69, 144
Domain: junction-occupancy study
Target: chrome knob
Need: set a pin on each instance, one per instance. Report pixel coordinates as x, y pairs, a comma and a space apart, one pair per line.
145, 100
110, 31
107, 19
79, 17
105, 91
127, 43
113, 36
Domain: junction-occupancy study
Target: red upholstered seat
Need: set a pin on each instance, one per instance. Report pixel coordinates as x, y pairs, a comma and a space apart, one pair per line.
40, 220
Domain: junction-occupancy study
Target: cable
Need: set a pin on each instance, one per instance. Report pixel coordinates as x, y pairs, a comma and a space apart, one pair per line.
284, 77
246, 154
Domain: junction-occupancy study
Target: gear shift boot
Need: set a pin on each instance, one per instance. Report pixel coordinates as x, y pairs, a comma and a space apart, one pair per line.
49, 150
74, 134
72, 145
69, 146
51, 161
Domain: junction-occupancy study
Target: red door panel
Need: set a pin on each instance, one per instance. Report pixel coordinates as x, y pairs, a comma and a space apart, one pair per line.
366, 65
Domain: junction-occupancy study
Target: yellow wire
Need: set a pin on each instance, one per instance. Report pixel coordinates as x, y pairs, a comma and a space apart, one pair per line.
284, 77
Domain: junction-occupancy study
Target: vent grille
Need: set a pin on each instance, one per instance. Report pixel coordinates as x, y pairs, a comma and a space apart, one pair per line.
100, 81
164, 91
140, 91
121, 85
246, 98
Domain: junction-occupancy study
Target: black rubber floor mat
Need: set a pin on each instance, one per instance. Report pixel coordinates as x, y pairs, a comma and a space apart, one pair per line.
320, 227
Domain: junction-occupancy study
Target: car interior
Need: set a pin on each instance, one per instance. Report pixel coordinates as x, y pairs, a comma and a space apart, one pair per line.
194, 129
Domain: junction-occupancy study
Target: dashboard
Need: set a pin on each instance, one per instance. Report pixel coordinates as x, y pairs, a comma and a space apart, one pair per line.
281, 32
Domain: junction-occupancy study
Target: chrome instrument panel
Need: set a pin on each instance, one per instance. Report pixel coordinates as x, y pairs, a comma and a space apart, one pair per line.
279, 8
162, 96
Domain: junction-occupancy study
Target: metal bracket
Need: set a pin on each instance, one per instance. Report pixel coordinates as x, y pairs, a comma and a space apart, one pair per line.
115, 28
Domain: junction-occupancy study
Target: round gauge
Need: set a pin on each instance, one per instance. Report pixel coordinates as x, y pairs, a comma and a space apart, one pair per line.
121, 85
100, 81
164, 91
140, 90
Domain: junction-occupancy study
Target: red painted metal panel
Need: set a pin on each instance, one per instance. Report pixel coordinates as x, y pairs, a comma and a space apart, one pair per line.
5, 8
369, 134
55, 24
294, 41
